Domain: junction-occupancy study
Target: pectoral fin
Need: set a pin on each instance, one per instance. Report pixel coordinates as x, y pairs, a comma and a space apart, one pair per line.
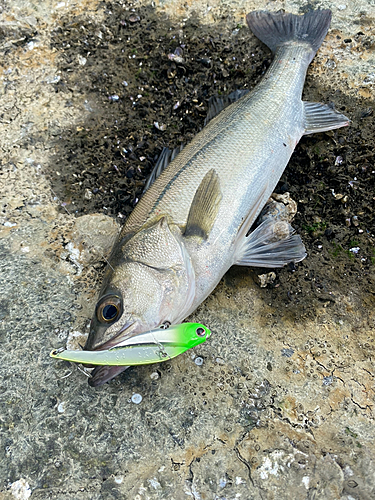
205, 207
272, 244
320, 118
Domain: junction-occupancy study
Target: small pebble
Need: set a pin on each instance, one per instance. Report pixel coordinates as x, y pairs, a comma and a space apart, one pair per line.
81, 60
338, 160
134, 18
160, 126
266, 279
198, 361
61, 407
177, 56
327, 380
136, 399
20, 489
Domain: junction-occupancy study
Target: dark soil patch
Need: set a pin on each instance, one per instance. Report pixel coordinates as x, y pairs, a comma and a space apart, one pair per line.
144, 97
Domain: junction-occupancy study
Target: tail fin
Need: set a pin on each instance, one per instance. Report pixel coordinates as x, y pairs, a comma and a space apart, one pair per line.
277, 28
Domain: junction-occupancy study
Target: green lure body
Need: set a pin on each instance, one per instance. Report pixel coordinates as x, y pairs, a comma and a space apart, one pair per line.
149, 347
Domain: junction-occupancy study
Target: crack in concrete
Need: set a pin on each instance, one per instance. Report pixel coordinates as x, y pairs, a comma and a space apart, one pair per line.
240, 439
359, 383
246, 463
321, 364
368, 371
359, 406
338, 378
191, 479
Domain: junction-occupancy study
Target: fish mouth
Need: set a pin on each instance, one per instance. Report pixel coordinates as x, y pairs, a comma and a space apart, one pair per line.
102, 374
129, 329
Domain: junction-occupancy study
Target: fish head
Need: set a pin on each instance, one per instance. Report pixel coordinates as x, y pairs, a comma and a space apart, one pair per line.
132, 303
150, 281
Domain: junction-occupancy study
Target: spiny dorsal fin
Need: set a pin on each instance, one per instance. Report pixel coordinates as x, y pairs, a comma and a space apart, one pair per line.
165, 158
320, 118
204, 207
216, 104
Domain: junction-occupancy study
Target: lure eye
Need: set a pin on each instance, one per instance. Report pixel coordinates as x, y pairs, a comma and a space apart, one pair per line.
200, 332
109, 309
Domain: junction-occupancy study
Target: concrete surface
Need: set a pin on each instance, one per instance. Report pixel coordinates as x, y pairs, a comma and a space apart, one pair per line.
277, 409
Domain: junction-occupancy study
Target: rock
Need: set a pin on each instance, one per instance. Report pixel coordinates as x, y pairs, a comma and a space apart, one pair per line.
266, 279
92, 238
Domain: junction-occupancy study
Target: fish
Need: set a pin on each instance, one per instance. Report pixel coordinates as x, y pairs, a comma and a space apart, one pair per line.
149, 347
195, 219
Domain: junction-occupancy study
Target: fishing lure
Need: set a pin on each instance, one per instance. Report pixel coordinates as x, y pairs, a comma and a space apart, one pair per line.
149, 347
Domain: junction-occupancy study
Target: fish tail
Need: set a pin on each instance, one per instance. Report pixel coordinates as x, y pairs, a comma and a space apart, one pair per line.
279, 28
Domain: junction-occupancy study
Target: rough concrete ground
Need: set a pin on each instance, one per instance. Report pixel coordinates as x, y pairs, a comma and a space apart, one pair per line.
283, 404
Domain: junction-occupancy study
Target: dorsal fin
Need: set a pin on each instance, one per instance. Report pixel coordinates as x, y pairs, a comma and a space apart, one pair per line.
165, 158
216, 104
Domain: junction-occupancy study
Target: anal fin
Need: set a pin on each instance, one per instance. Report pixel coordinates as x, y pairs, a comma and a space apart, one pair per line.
204, 207
272, 244
320, 118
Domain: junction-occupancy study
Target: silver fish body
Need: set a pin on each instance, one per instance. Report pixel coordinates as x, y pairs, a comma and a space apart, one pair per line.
192, 224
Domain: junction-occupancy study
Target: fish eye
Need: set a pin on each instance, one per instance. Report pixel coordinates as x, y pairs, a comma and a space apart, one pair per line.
109, 312
200, 332
109, 309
